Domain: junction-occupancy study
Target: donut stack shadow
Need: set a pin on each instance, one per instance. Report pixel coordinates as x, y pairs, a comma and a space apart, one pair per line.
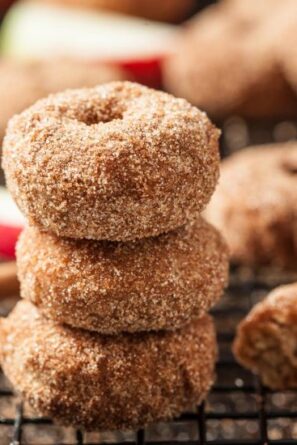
117, 267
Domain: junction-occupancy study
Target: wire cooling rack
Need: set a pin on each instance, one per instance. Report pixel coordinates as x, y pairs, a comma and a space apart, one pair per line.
238, 410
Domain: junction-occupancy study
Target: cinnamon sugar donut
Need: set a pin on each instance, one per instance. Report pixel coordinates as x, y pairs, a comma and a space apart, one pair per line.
165, 10
255, 205
150, 284
118, 162
266, 339
22, 83
227, 62
105, 383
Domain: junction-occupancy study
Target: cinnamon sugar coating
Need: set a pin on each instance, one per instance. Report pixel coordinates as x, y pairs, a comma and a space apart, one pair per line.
24, 82
109, 287
255, 205
98, 382
227, 60
266, 339
165, 10
117, 162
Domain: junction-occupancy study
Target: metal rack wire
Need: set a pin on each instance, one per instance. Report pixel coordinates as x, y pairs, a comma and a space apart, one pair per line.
238, 411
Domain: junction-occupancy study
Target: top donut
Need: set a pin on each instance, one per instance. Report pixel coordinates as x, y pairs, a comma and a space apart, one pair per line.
118, 162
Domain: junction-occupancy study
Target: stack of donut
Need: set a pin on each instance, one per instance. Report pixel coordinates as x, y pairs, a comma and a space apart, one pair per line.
117, 267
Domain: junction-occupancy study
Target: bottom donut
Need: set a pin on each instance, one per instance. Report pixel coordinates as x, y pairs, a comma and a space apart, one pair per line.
97, 382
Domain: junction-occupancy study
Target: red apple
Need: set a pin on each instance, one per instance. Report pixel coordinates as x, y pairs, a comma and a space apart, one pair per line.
11, 224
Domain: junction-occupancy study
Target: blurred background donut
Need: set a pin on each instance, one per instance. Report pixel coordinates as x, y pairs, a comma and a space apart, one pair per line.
227, 60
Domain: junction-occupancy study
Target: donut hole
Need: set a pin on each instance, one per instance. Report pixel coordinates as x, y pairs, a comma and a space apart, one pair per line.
102, 112
94, 117
290, 168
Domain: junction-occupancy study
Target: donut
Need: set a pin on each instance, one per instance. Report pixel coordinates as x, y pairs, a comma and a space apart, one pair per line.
255, 206
94, 382
165, 10
226, 60
266, 339
118, 162
24, 82
110, 287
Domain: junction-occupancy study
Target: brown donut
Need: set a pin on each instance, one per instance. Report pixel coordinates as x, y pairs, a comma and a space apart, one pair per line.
118, 162
226, 61
150, 284
266, 339
255, 205
87, 380
22, 83
164, 10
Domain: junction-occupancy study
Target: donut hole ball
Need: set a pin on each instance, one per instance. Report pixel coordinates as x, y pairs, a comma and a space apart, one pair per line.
110, 287
97, 382
116, 162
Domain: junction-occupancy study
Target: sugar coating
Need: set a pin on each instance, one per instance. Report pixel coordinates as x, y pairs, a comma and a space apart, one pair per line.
118, 162
24, 82
98, 382
109, 287
255, 205
228, 59
266, 339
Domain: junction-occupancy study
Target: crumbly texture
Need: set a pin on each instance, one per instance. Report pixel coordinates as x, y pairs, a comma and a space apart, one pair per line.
227, 60
266, 339
255, 206
23, 83
106, 383
109, 287
117, 162
164, 10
